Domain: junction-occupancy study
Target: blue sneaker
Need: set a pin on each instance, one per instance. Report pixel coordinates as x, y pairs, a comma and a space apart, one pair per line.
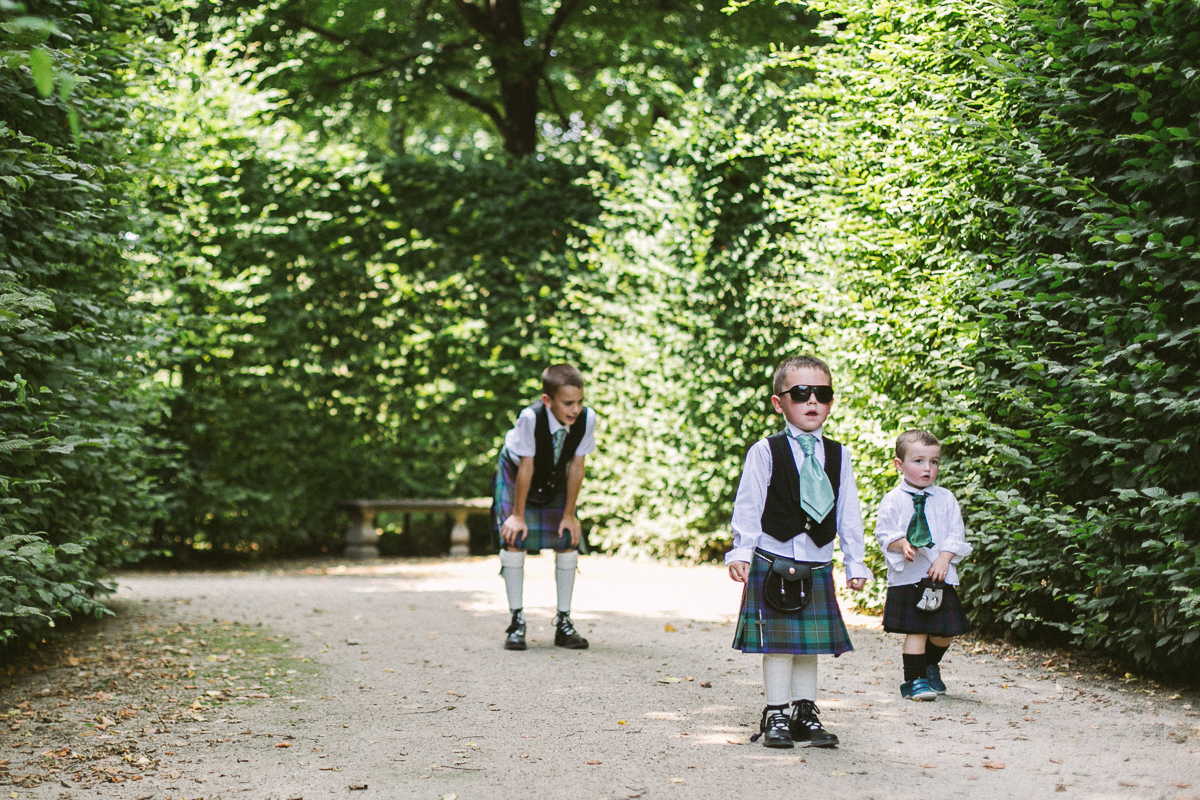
917, 689
933, 676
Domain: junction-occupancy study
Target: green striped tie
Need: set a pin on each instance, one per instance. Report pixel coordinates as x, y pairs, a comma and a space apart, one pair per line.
559, 435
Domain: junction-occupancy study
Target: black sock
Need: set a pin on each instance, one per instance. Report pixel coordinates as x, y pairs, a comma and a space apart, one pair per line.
781, 709
933, 654
914, 666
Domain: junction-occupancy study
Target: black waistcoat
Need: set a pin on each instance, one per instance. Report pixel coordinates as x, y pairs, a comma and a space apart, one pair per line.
547, 475
783, 517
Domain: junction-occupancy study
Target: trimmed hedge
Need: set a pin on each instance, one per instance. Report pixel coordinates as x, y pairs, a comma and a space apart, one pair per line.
75, 460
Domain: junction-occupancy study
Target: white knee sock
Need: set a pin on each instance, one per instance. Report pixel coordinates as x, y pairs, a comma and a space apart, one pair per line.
804, 678
777, 678
564, 578
512, 567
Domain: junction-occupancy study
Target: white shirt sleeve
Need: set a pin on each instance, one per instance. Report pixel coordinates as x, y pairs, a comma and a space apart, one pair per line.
955, 532
749, 501
520, 441
891, 524
850, 524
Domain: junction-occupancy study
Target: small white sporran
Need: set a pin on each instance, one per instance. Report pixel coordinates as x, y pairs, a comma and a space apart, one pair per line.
931, 595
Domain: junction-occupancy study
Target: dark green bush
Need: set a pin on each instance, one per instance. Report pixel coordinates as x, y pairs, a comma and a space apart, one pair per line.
1086, 369
74, 456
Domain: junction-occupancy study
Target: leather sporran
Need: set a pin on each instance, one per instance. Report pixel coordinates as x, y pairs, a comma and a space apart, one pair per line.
788, 586
931, 595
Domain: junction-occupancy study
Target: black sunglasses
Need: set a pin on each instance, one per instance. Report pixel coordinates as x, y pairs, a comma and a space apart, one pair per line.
800, 393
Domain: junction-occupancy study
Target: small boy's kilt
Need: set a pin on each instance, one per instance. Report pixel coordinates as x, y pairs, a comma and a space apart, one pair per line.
543, 521
814, 630
901, 615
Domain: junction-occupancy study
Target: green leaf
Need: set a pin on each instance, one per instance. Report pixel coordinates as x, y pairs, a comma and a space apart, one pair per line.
42, 67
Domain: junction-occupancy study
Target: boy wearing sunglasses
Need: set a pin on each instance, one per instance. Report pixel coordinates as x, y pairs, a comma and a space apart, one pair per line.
797, 494
920, 528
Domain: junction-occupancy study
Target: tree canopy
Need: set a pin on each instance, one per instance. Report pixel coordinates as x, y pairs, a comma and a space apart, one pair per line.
423, 75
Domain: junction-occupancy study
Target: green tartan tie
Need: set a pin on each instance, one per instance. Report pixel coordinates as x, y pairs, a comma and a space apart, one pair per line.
816, 495
918, 527
559, 435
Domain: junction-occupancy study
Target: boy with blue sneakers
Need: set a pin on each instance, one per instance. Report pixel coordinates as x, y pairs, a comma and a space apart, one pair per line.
920, 529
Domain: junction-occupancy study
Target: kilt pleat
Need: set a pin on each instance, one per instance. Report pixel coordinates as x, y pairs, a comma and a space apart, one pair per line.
543, 521
901, 615
817, 629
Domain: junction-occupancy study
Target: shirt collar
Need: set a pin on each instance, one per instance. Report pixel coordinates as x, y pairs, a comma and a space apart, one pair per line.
914, 490
793, 431
555, 425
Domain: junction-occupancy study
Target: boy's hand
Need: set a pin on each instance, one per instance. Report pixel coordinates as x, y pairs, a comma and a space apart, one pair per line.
941, 566
856, 584
902, 546
740, 571
514, 530
570, 524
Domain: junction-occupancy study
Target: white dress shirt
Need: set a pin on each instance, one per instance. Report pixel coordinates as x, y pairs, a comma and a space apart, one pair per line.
945, 525
752, 497
520, 440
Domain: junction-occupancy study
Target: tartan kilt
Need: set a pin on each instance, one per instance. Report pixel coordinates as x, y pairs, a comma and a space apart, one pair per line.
543, 521
814, 630
901, 615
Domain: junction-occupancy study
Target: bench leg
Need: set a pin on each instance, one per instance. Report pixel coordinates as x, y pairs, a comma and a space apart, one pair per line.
460, 535
361, 539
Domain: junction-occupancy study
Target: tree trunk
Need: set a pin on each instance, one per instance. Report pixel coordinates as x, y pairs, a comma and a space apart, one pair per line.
518, 68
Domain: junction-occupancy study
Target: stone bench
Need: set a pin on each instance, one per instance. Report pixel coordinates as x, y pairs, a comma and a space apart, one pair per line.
363, 542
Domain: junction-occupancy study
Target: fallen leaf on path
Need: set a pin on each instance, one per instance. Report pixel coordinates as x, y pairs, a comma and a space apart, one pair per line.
668, 679
994, 764
705, 685
669, 628
593, 762
357, 787
929, 766
284, 744
837, 773
677, 780
622, 722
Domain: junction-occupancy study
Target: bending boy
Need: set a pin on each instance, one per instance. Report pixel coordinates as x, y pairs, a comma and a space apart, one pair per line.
537, 485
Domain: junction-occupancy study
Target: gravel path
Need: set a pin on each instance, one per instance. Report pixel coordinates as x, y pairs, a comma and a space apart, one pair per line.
415, 697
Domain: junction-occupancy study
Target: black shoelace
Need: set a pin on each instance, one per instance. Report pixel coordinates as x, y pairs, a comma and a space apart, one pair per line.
806, 715
773, 721
517, 622
564, 625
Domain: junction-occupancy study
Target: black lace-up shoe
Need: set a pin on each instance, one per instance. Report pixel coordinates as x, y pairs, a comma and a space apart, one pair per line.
565, 634
516, 632
774, 729
807, 730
